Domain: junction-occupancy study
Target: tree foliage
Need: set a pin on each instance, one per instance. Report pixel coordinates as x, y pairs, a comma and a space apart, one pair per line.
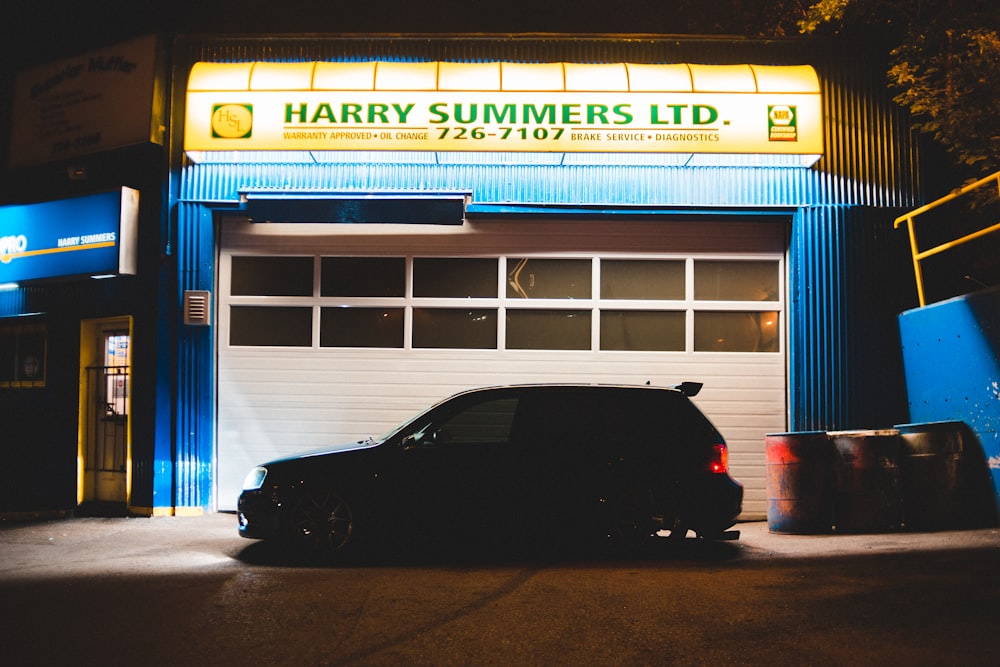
944, 66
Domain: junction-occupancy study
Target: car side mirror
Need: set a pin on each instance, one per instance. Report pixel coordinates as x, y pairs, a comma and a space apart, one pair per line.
423, 439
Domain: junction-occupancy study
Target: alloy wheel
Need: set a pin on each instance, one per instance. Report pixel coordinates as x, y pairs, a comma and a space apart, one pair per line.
323, 520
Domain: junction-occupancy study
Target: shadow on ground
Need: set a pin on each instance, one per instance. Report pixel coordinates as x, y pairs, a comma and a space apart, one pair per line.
279, 554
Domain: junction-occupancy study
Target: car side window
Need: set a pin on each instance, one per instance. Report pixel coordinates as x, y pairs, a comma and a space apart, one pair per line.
645, 419
557, 423
484, 423
632, 420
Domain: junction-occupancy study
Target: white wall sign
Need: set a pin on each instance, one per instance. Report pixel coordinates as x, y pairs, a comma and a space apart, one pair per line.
93, 102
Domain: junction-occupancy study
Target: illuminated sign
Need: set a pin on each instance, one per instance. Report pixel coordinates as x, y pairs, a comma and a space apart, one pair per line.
555, 107
84, 236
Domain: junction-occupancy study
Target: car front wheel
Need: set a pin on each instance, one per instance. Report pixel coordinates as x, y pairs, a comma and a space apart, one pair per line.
323, 521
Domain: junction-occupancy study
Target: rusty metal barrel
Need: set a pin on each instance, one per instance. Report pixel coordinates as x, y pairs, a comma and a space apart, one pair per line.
866, 490
799, 498
931, 475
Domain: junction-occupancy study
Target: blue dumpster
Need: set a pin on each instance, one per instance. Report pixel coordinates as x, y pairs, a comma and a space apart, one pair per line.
945, 477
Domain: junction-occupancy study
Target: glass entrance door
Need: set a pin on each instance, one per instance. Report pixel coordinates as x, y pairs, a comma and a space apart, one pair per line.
108, 391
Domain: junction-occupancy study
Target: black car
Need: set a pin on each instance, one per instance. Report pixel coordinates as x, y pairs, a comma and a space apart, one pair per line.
528, 464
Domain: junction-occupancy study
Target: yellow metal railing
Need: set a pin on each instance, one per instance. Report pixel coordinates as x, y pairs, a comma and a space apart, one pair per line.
919, 255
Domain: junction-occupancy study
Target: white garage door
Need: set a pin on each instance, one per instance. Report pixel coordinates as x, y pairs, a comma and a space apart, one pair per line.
328, 334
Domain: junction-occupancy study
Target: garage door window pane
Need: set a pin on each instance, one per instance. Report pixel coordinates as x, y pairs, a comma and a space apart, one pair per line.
735, 281
642, 279
272, 276
746, 331
460, 278
270, 325
363, 276
642, 330
548, 329
548, 278
455, 328
361, 327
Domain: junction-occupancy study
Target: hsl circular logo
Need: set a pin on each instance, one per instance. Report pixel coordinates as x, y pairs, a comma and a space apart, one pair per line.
232, 121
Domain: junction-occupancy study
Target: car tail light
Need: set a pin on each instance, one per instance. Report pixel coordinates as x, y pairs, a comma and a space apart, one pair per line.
720, 459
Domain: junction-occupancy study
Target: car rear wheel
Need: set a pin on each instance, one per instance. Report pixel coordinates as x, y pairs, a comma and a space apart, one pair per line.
672, 524
634, 521
323, 521
638, 519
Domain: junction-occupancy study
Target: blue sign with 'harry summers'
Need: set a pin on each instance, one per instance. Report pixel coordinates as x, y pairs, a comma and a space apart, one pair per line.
82, 236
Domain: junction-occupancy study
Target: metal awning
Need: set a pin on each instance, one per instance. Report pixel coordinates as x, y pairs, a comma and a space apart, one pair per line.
410, 208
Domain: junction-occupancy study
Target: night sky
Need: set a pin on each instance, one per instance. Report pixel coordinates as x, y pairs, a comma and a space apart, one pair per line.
40, 31
35, 32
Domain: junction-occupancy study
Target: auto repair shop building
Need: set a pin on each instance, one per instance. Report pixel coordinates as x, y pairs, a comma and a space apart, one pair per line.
352, 228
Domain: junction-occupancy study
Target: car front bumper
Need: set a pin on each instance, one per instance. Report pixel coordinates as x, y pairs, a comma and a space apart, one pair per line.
259, 512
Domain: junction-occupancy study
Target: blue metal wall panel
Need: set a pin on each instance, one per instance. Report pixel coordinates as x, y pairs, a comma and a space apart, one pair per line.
847, 283
628, 185
193, 463
12, 302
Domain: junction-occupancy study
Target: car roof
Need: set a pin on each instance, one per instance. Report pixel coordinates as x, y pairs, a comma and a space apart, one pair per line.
685, 388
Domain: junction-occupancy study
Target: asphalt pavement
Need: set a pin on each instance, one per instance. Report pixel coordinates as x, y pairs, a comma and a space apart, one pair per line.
86, 542
180, 591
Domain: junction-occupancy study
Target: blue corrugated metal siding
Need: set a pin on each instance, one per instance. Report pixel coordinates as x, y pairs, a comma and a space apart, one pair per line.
845, 291
31, 299
516, 184
843, 344
12, 302
869, 157
196, 381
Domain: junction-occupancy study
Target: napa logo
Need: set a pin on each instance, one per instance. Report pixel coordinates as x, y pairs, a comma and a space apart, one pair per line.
11, 246
232, 121
782, 123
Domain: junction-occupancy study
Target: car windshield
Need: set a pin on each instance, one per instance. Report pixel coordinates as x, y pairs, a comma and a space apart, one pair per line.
443, 410
405, 424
